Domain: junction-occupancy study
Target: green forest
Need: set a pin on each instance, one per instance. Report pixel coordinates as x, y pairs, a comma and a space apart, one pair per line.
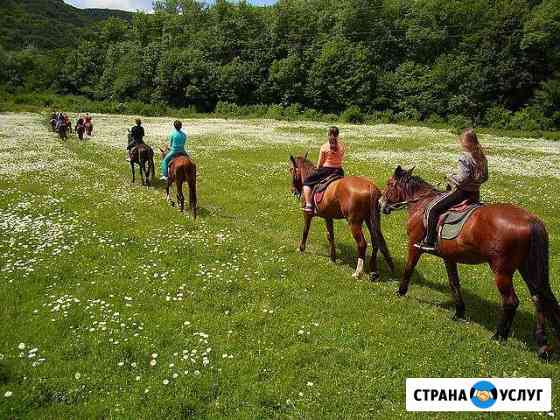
490, 62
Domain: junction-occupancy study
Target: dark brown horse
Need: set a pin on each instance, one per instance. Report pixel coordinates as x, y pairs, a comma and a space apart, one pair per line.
352, 198
181, 169
80, 128
506, 237
62, 129
143, 156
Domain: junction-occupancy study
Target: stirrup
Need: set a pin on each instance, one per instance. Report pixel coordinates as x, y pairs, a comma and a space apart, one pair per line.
308, 208
425, 246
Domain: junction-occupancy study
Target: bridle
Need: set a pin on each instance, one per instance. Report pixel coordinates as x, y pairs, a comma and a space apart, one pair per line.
402, 204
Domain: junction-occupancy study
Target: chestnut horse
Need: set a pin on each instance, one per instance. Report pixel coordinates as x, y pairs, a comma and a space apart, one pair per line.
352, 198
89, 128
181, 169
506, 237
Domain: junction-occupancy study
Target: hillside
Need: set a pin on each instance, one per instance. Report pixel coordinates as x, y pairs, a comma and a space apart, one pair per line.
46, 23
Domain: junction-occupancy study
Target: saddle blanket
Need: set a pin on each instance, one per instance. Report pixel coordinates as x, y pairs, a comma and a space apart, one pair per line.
451, 222
321, 187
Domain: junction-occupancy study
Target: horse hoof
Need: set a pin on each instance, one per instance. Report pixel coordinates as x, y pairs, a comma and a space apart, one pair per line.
401, 292
459, 318
374, 276
545, 352
356, 276
498, 337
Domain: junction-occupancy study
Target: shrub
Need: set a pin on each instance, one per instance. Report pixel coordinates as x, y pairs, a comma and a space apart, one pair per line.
497, 117
312, 115
459, 122
435, 119
353, 115
530, 119
275, 112
407, 115
227, 109
293, 112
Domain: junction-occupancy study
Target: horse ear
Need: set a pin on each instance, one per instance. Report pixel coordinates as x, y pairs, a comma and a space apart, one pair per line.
305, 156
410, 170
293, 160
398, 171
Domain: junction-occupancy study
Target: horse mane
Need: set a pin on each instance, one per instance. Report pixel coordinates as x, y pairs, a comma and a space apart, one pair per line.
412, 185
306, 166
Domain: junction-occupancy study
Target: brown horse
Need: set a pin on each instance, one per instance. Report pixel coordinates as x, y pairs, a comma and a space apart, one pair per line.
62, 130
506, 237
80, 128
89, 127
181, 169
352, 198
143, 156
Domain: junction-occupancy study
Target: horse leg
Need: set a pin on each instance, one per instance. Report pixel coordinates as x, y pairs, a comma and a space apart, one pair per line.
510, 302
192, 192
330, 238
411, 261
141, 166
133, 171
306, 225
544, 350
167, 197
374, 273
362, 246
453, 277
180, 196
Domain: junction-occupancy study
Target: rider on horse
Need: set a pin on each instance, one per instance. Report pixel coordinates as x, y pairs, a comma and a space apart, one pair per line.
465, 185
136, 137
331, 156
177, 142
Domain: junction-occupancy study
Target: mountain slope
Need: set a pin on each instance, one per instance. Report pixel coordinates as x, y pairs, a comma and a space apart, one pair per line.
46, 23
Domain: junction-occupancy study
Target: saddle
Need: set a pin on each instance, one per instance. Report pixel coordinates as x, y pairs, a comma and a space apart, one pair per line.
452, 221
321, 187
176, 156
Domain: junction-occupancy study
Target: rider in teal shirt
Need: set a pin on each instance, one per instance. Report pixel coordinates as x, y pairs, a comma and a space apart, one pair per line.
177, 143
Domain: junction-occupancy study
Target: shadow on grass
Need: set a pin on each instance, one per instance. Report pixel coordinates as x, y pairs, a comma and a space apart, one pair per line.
479, 309
482, 311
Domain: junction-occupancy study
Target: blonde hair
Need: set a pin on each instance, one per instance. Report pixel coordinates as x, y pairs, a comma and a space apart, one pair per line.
470, 144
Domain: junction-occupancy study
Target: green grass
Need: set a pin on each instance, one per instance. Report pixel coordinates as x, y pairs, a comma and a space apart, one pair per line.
290, 335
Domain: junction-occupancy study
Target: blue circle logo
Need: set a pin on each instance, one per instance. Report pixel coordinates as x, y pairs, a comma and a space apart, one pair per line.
484, 394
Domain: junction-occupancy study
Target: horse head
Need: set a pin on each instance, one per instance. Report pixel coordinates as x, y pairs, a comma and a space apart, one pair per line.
163, 152
397, 190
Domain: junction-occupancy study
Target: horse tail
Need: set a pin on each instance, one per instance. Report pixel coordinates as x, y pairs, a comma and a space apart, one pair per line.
151, 166
191, 179
536, 273
378, 238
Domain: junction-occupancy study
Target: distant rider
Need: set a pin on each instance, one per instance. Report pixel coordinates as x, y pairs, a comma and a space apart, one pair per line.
136, 137
472, 173
177, 142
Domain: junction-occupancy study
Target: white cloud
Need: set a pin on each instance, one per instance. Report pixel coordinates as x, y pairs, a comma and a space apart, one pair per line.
131, 5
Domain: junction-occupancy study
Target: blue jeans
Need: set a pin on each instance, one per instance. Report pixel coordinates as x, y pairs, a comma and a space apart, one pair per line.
165, 163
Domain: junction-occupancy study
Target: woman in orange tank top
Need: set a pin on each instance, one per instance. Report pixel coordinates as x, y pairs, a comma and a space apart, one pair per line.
331, 157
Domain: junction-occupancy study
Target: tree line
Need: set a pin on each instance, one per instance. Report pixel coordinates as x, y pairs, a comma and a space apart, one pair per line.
494, 62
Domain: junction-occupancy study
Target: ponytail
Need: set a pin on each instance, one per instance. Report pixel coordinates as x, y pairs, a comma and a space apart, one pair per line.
333, 133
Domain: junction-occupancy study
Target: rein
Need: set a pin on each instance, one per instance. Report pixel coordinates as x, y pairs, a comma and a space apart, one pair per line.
402, 204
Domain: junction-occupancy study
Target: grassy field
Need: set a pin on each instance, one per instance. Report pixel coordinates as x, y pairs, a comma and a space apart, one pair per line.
114, 304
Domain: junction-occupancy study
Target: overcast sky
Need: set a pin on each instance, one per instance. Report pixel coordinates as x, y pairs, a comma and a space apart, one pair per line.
131, 4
